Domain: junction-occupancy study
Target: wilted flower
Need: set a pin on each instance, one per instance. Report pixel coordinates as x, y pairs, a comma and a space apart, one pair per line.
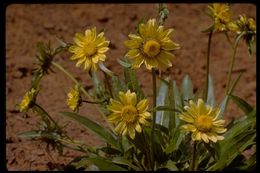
202, 122
128, 114
248, 28
27, 100
74, 99
152, 46
89, 49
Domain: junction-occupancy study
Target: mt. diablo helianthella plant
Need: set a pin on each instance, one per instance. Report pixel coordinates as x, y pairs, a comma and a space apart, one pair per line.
202, 122
136, 138
89, 49
152, 46
128, 114
74, 98
27, 100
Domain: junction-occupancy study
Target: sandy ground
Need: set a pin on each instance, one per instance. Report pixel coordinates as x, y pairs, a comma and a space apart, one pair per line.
27, 24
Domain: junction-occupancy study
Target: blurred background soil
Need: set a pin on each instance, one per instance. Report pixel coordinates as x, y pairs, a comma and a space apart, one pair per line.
28, 23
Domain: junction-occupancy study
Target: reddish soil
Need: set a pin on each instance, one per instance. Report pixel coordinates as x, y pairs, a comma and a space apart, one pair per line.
27, 24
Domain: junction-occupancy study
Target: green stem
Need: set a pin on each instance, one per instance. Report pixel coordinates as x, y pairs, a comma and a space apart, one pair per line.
43, 113
92, 102
154, 116
232, 61
192, 167
58, 66
207, 67
147, 150
228, 39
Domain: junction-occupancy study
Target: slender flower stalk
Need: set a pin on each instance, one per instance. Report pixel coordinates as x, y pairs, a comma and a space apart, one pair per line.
154, 116
207, 66
232, 61
193, 163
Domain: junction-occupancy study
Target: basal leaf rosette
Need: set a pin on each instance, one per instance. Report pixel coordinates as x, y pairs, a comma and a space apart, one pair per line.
151, 46
128, 115
201, 121
89, 49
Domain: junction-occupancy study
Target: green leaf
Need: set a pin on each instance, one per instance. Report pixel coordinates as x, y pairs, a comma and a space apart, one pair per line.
161, 118
225, 100
123, 161
171, 165
171, 102
96, 128
222, 107
124, 64
30, 134
176, 140
187, 88
242, 104
105, 165
133, 83
117, 85
211, 97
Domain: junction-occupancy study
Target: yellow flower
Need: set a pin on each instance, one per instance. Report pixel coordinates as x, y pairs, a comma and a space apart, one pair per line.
27, 100
127, 114
152, 46
89, 49
74, 99
221, 16
202, 122
245, 24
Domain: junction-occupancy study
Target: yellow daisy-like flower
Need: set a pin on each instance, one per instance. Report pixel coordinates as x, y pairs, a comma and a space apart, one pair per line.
152, 46
89, 49
27, 100
128, 114
222, 16
74, 99
202, 122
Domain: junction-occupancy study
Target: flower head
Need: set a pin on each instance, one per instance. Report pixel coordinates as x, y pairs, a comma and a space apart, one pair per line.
246, 26
222, 16
27, 100
74, 99
89, 49
128, 114
202, 122
152, 46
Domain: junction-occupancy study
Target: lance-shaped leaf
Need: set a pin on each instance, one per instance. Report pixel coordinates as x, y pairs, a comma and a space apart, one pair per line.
95, 127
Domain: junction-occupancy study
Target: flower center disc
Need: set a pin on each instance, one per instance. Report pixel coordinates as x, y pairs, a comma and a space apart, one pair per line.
203, 123
152, 48
90, 49
129, 113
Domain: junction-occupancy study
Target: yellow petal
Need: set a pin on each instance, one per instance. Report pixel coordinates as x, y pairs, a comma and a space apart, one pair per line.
131, 132
204, 137
132, 44
150, 63
138, 61
103, 50
103, 44
87, 64
138, 128
142, 105
120, 127
133, 53
219, 122
186, 117
145, 115
81, 61
115, 106
219, 129
188, 127
169, 45
114, 117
